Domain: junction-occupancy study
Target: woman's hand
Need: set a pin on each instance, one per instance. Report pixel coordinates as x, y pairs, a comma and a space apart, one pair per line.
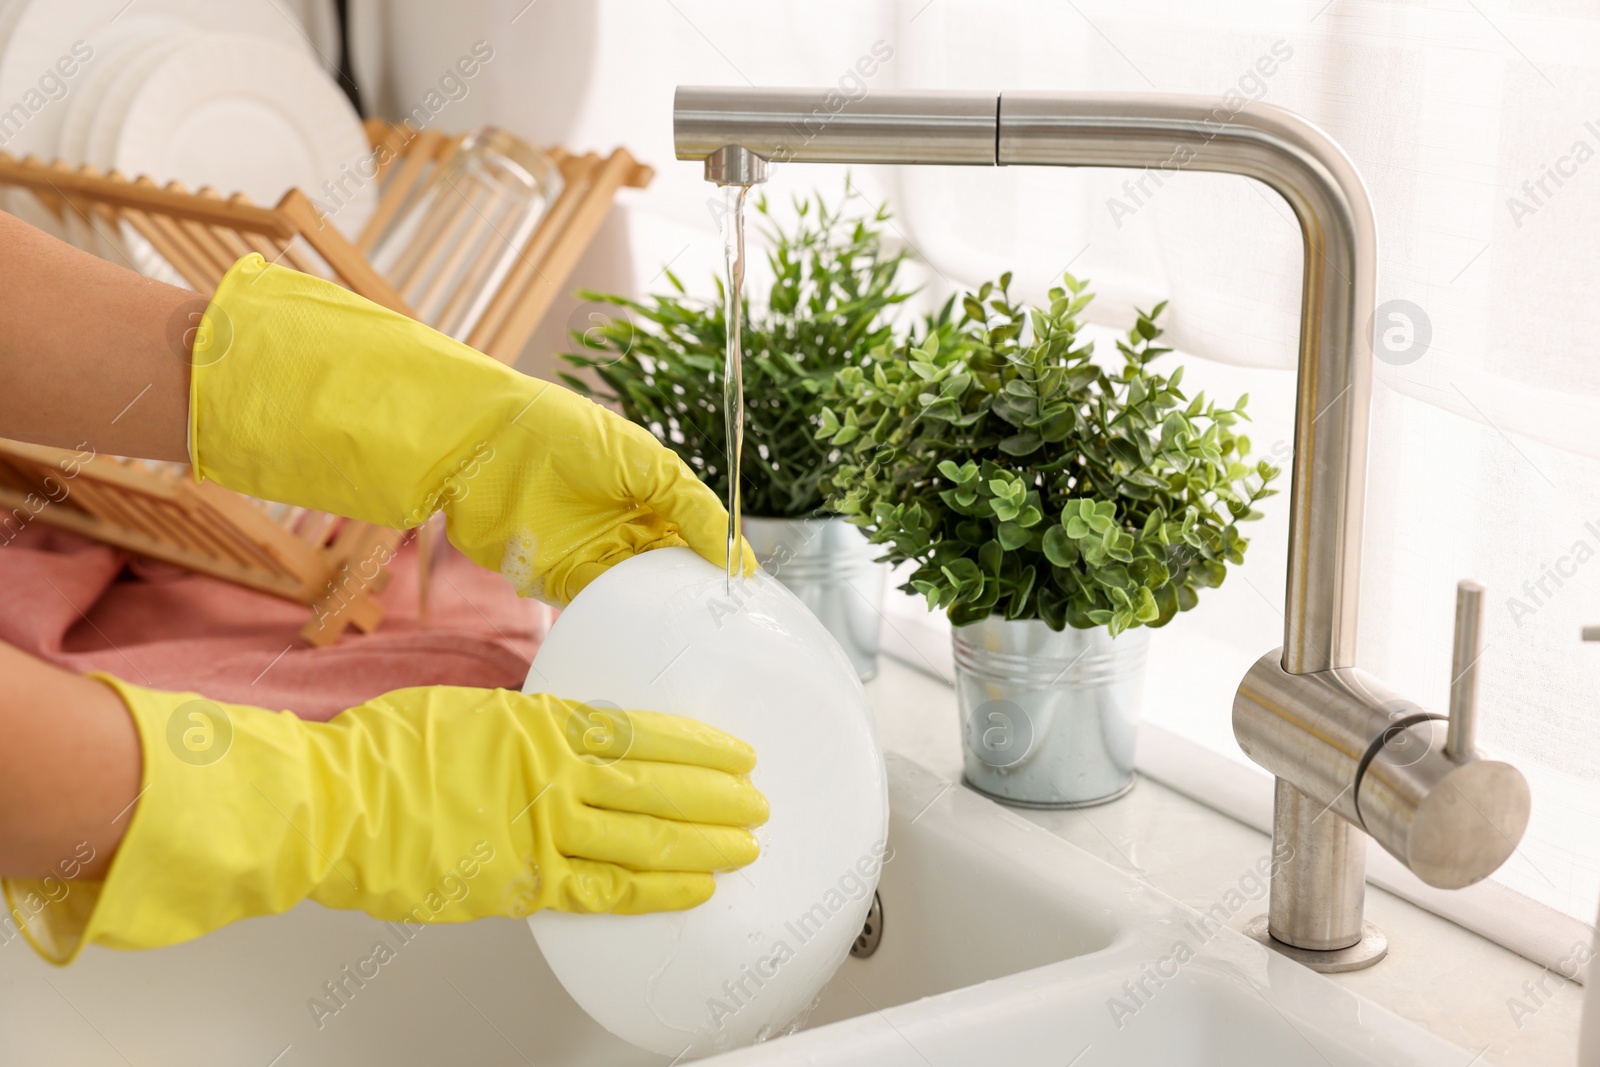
432, 804
308, 394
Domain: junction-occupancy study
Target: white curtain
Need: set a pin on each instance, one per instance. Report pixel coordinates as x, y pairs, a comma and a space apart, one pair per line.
1476, 124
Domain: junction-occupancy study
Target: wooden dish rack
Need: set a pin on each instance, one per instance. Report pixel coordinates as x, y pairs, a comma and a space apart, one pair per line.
330, 565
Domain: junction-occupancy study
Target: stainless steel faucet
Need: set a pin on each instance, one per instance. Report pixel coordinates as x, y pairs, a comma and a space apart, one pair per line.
1349, 755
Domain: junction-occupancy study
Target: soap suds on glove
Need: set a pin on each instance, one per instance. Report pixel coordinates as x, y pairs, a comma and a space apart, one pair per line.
516, 564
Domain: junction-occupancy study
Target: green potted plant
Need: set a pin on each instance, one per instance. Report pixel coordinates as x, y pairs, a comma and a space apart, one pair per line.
661, 361
1055, 507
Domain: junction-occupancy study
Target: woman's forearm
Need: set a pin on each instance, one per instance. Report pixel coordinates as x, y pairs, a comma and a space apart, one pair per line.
94, 355
71, 769
91, 353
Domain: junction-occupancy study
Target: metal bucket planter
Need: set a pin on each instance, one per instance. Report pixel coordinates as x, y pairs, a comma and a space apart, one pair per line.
1048, 720
828, 564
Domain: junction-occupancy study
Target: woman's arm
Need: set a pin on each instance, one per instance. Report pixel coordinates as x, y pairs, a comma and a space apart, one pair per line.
91, 352
69, 768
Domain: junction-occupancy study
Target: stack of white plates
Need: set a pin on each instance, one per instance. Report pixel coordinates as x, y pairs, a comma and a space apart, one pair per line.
230, 94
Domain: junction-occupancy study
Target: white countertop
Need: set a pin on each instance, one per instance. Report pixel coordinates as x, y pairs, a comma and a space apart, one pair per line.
1437, 974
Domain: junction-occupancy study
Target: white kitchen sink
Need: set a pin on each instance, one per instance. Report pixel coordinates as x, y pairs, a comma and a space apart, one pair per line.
1002, 944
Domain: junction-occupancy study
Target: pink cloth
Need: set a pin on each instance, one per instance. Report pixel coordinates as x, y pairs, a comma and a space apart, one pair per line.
86, 606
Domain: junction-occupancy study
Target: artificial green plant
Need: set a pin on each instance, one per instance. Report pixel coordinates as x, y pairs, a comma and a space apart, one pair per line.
1027, 480
661, 359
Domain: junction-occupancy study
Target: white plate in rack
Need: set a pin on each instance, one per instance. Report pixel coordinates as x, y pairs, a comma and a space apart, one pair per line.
118, 49
10, 12
45, 31
121, 47
19, 142
242, 114
36, 34
106, 124
127, 247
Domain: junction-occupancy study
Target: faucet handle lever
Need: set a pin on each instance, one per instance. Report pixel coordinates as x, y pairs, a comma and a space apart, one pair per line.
1461, 741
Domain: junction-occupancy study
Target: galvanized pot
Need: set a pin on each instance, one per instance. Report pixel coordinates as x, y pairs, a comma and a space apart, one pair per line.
828, 564
1048, 719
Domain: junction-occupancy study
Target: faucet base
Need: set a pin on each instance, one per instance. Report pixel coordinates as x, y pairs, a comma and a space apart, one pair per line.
1372, 947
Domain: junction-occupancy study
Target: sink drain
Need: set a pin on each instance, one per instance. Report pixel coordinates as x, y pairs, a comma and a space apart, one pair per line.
871, 931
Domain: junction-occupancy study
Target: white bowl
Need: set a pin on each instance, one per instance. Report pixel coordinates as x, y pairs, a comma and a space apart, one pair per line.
661, 631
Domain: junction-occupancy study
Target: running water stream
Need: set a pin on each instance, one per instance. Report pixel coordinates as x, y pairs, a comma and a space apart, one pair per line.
733, 370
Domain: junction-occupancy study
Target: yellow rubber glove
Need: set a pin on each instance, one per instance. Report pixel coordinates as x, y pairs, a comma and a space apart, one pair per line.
305, 393
435, 804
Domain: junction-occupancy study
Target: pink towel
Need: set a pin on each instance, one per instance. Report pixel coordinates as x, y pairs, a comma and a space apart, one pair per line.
86, 606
